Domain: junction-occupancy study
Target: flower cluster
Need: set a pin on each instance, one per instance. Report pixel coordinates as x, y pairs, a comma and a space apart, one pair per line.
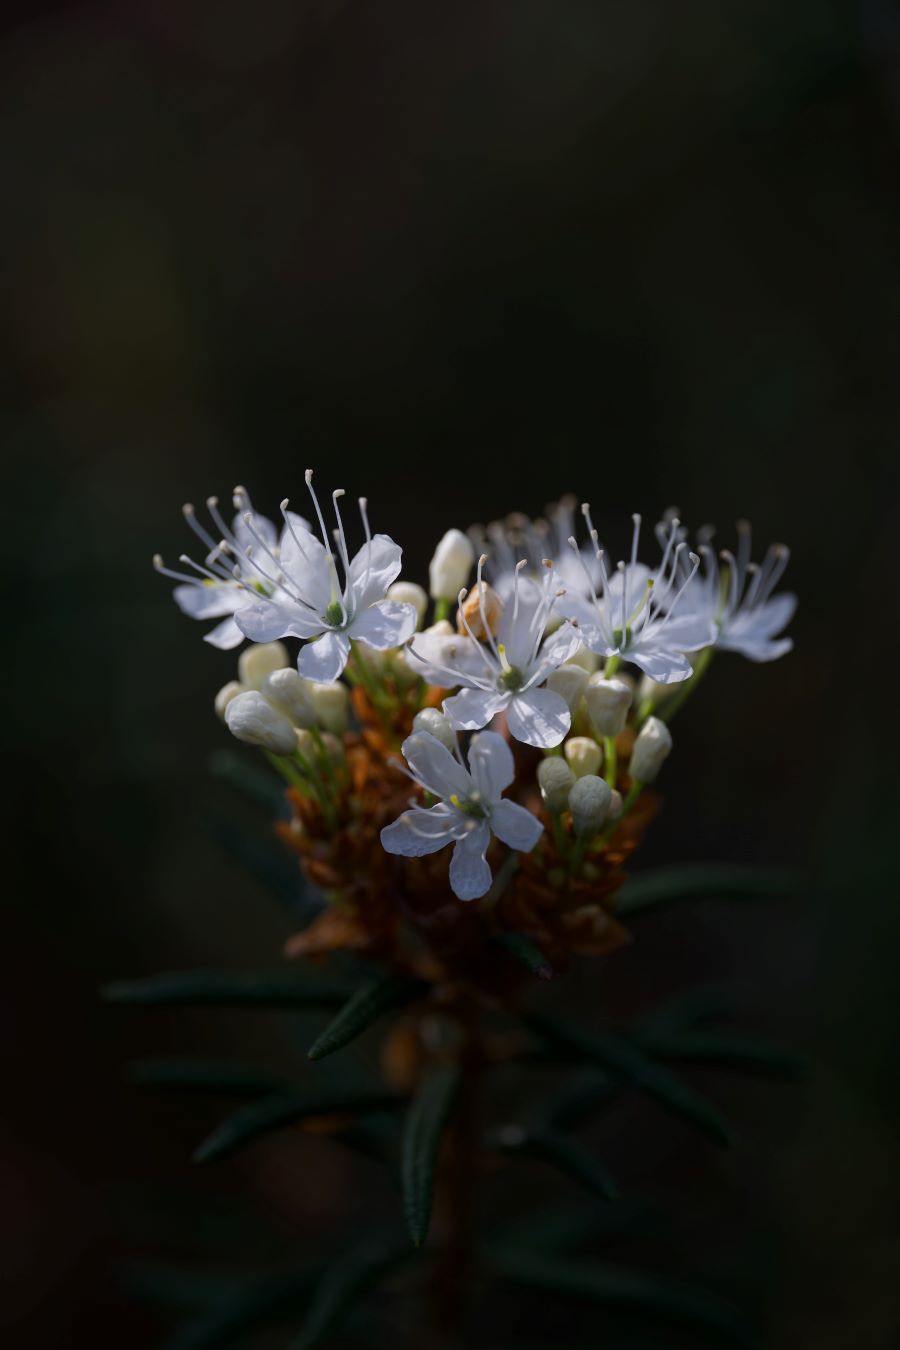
529, 715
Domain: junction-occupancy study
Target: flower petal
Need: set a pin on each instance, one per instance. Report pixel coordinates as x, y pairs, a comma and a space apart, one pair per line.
387, 623
435, 766
759, 649
450, 660
560, 646
324, 659
208, 602
539, 717
268, 620
662, 665
418, 831
225, 635
470, 875
490, 764
515, 826
372, 570
471, 709
307, 565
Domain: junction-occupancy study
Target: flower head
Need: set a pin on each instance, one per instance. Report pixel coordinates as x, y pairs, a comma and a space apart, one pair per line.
632, 614
310, 599
229, 578
508, 541
470, 809
505, 673
746, 616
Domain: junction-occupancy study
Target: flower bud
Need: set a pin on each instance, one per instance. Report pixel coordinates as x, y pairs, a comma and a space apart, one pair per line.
443, 628
555, 780
409, 593
332, 704
259, 660
480, 611
252, 719
615, 805
290, 694
650, 749
654, 692
570, 681
225, 695
449, 569
437, 725
306, 745
403, 669
585, 658
607, 703
589, 803
583, 755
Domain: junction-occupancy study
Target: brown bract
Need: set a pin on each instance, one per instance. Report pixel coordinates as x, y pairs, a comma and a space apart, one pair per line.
402, 910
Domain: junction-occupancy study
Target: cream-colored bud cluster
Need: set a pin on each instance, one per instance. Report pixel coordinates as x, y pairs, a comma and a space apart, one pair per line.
272, 706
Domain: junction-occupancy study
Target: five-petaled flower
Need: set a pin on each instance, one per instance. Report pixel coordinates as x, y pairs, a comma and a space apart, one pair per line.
311, 602
631, 615
470, 809
506, 673
745, 614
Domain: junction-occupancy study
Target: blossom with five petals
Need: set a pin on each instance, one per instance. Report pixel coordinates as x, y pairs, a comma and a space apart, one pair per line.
470, 808
506, 673
746, 616
311, 602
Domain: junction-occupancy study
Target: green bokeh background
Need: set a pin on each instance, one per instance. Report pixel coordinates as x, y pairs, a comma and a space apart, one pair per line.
462, 259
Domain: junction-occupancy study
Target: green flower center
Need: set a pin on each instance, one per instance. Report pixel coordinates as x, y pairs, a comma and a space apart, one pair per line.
617, 636
510, 680
334, 614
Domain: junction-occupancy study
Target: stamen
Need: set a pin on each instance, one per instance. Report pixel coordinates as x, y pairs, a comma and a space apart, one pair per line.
518, 569
467, 626
293, 533
342, 541
635, 538
695, 563
203, 535
573, 544
364, 513
481, 607
485, 687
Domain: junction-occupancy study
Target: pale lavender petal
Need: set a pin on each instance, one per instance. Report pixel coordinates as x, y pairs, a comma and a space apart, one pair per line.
662, 665
324, 659
226, 635
490, 764
418, 831
515, 826
470, 875
387, 623
372, 570
539, 717
268, 620
472, 709
435, 766
208, 602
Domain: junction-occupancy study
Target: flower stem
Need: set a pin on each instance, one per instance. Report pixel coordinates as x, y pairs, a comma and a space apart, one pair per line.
668, 711
441, 610
610, 754
611, 666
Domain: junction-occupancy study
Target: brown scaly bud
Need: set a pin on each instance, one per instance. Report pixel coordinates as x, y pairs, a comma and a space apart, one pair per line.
481, 612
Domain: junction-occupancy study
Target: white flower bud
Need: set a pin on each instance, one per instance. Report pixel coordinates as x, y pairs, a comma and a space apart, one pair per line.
615, 805
650, 749
225, 695
570, 682
290, 694
555, 780
583, 755
409, 593
259, 660
655, 692
589, 803
403, 669
443, 628
449, 569
585, 658
607, 703
252, 719
332, 704
437, 725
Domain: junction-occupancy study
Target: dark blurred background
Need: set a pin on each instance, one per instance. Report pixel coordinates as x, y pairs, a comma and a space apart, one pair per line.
461, 258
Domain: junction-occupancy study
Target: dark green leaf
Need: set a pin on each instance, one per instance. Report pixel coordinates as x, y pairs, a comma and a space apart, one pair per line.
425, 1121
578, 1100
262, 989
527, 953
343, 1284
206, 1075
722, 1048
262, 789
686, 1010
663, 1299
629, 1064
565, 1154
286, 1108
692, 881
363, 1008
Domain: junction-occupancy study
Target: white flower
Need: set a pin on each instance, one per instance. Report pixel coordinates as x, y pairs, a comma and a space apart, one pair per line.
229, 578
517, 537
469, 810
308, 600
745, 614
631, 615
449, 569
506, 673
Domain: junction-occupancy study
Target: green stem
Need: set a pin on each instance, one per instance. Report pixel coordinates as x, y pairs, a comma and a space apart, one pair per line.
611, 757
612, 665
441, 610
668, 710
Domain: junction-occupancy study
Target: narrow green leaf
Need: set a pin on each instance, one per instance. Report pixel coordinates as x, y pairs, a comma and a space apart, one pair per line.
724, 1049
695, 880
364, 1007
425, 1121
578, 1100
563, 1153
686, 1010
528, 954
342, 1285
618, 1286
206, 1075
242, 1309
262, 989
286, 1108
629, 1064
